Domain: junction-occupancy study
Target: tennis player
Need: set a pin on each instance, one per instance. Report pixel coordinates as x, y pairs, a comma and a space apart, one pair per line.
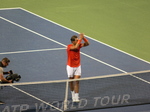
73, 63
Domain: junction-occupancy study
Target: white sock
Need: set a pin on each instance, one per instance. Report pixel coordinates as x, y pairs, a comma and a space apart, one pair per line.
73, 94
77, 96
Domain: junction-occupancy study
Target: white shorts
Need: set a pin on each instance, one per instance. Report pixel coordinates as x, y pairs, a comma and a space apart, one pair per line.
71, 71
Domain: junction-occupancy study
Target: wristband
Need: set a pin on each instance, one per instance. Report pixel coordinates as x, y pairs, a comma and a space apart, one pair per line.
85, 40
79, 41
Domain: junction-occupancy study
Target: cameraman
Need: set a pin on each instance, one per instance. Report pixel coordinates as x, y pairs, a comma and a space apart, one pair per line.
3, 64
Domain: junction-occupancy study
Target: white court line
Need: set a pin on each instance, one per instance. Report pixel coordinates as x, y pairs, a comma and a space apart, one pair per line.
85, 35
36, 98
66, 46
77, 32
10, 8
15, 52
32, 31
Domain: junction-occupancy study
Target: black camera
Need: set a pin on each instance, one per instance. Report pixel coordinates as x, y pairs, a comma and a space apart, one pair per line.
13, 77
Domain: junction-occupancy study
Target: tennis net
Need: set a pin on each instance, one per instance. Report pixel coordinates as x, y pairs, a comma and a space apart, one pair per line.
106, 91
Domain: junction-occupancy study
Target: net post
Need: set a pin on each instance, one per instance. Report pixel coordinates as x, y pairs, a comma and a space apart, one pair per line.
66, 96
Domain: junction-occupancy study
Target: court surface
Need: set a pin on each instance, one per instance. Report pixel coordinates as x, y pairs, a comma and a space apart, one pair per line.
37, 50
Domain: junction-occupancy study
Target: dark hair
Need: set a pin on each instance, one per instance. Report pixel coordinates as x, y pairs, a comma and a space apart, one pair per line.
73, 38
6, 60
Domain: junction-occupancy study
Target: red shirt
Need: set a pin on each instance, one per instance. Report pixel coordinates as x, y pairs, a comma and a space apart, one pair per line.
73, 56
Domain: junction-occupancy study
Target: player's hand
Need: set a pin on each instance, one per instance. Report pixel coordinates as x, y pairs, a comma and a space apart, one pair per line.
81, 36
10, 81
10, 72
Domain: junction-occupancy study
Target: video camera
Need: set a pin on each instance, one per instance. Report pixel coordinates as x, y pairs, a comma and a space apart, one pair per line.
13, 77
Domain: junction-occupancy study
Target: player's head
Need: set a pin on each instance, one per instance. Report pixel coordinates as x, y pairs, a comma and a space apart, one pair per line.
5, 62
74, 39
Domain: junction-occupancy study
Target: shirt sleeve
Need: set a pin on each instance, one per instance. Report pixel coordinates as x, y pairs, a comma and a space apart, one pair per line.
1, 70
68, 47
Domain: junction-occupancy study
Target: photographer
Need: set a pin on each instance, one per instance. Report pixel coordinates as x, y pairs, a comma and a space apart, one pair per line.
3, 64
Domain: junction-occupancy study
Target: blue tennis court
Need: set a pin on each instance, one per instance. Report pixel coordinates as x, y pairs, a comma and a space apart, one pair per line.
37, 50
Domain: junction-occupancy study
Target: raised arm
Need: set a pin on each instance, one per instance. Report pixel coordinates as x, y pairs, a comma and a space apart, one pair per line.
77, 41
86, 42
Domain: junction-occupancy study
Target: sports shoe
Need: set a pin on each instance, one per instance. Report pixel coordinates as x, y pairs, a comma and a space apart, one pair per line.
73, 96
73, 99
76, 99
1, 103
